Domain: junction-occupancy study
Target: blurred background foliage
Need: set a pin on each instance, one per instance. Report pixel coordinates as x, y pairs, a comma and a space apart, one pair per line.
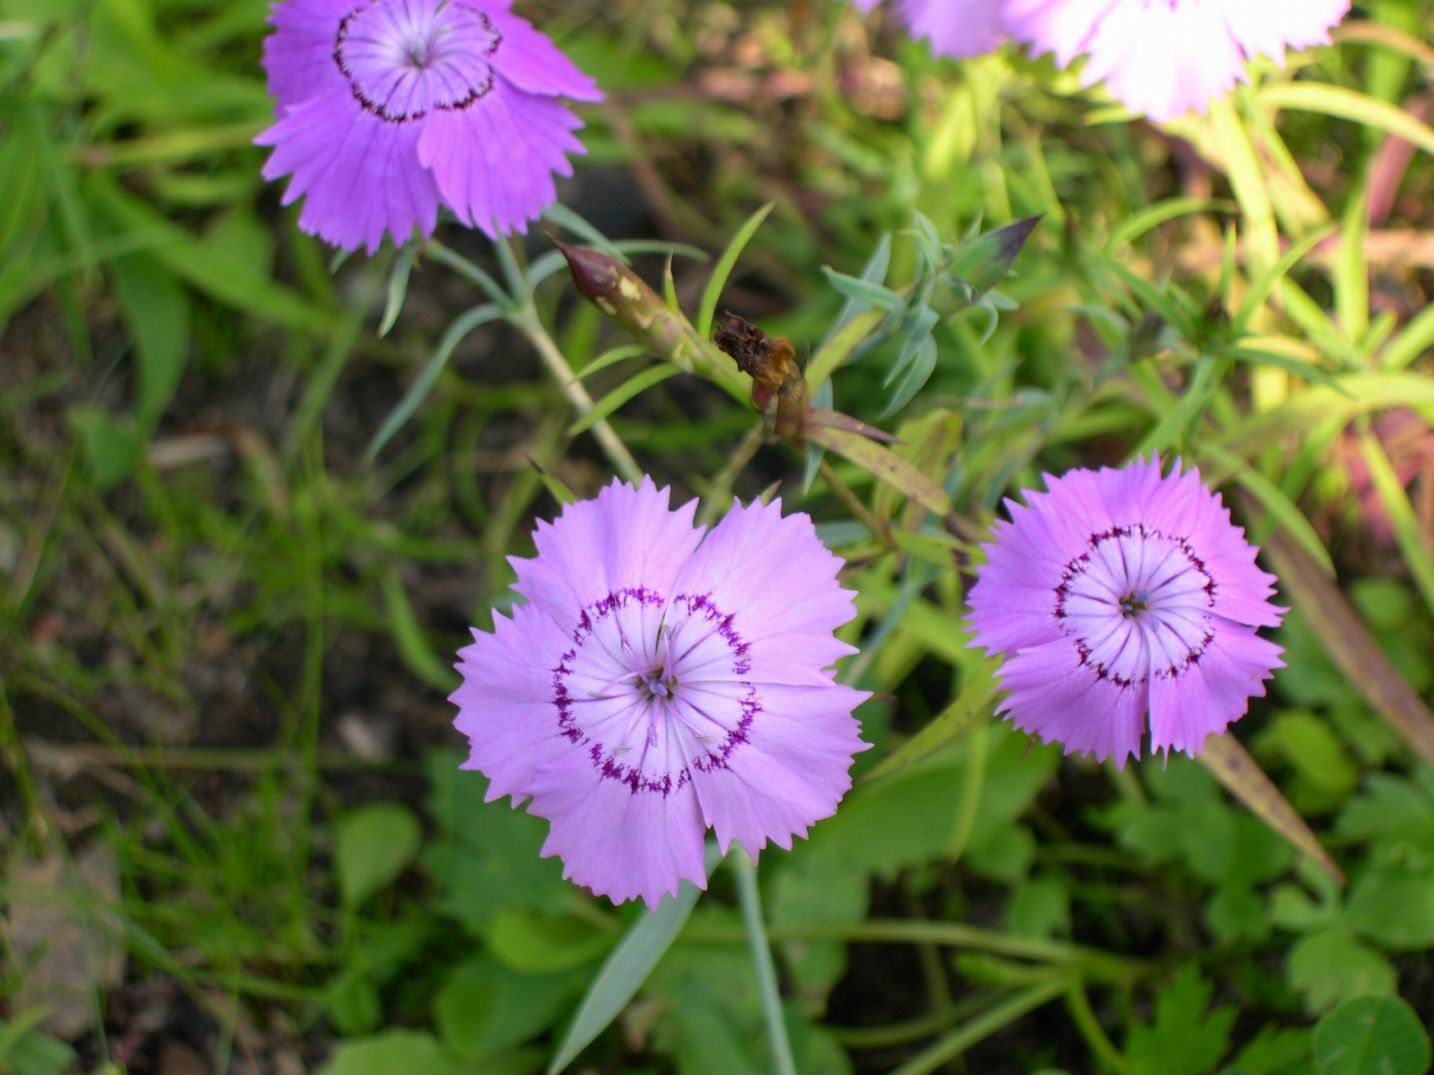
235, 837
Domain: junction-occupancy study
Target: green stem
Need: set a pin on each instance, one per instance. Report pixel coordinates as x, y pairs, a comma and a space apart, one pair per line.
957, 1042
751, 900
1101, 965
577, 395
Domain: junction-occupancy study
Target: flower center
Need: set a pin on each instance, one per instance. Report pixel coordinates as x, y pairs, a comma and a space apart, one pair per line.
406, 58
654, 688
1136, 604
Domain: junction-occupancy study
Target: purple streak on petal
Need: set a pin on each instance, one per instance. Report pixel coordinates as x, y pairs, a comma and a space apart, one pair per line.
792, 771
624, 537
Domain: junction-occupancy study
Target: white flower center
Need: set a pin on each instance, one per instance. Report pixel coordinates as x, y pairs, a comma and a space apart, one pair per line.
654, 688
1136, 603
406, 58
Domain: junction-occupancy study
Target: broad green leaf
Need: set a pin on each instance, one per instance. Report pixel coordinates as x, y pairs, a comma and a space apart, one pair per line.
533, 943
484, 1008
156, 312
373, 845
1372, 1036
395, 1051
1331, 966
1186, 1037
712, 294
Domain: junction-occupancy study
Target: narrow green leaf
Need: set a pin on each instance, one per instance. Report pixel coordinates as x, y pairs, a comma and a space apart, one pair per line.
397, 287
458, 331
975, 703
1351, 105
885, 465
413, 646
1351, 269
1408, 533
624, 972
611, 357
843, 342
1160, 213
632, 387
1266, 282
865, 292
1415, 339
1351, 645
1230, 764
1273, 499
712, 294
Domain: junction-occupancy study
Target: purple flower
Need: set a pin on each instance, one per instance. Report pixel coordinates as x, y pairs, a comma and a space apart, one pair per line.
1122, 592
954, 27
1163, 58
388, 108
662, 680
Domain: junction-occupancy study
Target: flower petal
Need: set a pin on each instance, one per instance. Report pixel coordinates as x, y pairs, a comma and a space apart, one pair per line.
532, 63
506, 704
1054, 696
360, 176
1208, 696
625, 538
791, 771
495, 159
299, 54
616, 841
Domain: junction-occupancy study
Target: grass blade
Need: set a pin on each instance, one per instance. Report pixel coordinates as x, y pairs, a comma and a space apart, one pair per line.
707, 311
624, 972
1230, 764
1350, 644
1408, 534
632, 387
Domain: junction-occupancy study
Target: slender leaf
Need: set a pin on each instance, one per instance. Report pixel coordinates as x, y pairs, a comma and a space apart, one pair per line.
885, 465
397, 287
1351, 105
842, 343
624, 972
1230, 764
712, 294
634, 386
1408, 534
458, 331
1351, 645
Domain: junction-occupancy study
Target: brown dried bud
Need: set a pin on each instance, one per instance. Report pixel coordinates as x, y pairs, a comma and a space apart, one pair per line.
778, 388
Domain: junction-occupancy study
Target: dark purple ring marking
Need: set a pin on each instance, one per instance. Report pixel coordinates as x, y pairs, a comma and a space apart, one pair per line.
1081, 564
605, 760
374, 108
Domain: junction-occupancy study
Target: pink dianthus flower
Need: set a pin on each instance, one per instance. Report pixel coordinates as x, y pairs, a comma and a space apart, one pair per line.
389, 108
663, 680
1163, 58
1119, 593
957, 28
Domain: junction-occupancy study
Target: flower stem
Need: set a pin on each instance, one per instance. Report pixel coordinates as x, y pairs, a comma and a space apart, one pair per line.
577, 395
751, 901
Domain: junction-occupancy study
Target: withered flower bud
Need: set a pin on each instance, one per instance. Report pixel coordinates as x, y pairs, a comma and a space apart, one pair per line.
779, 390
